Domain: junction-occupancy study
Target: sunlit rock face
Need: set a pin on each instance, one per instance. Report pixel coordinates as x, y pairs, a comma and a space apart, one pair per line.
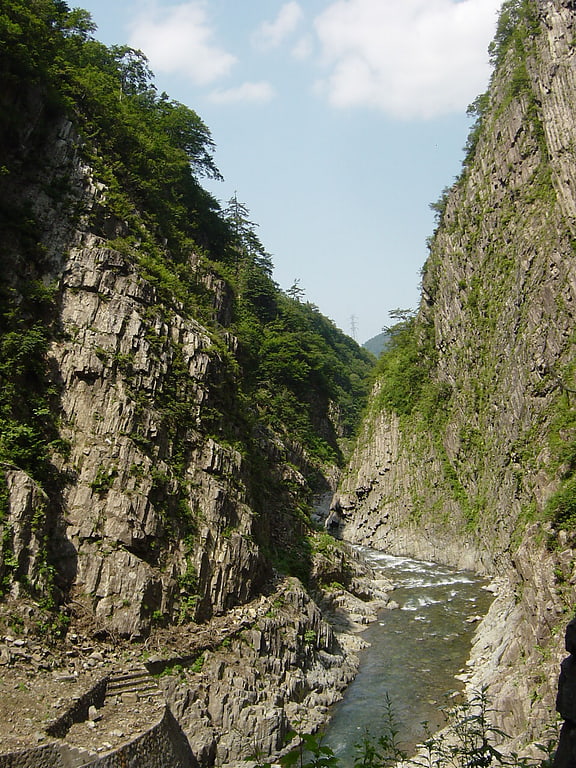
153, 519
116, 365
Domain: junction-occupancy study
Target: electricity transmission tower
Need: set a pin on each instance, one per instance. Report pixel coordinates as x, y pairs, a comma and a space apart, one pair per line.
353, 326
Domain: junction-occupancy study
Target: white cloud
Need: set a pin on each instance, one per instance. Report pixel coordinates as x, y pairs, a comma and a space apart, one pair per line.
178, 39
408, 58
303, 49
247, 93
270, 34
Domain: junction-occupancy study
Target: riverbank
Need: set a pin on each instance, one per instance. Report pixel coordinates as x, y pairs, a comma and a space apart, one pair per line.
243, 681
237, 683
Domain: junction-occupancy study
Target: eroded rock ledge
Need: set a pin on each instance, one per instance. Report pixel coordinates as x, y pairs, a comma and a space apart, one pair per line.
239, 683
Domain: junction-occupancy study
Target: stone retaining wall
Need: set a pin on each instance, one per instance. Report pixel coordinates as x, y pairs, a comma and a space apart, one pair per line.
78, 711
161, 746
47, 756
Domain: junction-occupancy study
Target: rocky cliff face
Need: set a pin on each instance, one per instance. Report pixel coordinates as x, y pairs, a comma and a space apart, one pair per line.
467, 475
131, 551
165, 497
134, 536
284, 669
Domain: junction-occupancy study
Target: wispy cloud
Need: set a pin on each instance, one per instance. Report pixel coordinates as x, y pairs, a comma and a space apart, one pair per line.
409, 59
247, 93
303, 48
270, 34
179, 39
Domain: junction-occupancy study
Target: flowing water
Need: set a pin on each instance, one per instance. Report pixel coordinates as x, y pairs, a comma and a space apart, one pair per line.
415, 652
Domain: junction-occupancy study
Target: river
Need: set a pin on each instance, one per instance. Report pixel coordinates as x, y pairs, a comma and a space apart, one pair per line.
415, 652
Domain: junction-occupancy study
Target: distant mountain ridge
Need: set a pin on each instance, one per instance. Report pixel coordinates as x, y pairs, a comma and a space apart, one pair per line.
377, 344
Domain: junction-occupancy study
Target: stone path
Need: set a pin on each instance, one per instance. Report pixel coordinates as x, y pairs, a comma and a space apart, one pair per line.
133, 703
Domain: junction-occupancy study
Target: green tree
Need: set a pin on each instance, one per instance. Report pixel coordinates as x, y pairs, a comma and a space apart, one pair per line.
295, 291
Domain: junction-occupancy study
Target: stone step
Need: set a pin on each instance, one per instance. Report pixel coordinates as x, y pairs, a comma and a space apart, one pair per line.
138, 682
136, 675
130, 685
142, 688
129, 679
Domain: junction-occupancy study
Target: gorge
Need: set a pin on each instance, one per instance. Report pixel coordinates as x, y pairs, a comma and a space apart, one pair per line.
169, 418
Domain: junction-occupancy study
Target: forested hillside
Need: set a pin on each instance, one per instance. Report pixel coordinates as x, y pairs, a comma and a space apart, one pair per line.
141, 328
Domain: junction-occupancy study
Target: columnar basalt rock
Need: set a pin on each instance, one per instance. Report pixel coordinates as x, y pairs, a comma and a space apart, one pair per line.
282, 672
26, 527
114, 365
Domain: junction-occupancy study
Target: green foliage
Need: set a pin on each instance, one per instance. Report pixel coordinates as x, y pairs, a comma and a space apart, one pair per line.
8, 562
310, 637
188, 607
28, 422
188, 584
403, 369
325, 543
149, 150
104, 480
561, 506
54, 626
172, 669
157, 617
301, 371
198, 664
440, 205
294, 558
188, 581
517, 20
309, 753
29, 32
385, 750
154, 148
478, 110
178, 669
468, 741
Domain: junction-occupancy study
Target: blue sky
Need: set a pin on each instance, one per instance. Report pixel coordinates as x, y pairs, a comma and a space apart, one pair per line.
336, 122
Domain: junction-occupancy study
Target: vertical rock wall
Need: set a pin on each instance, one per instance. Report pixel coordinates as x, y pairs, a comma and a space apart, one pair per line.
138, 525
151, 517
